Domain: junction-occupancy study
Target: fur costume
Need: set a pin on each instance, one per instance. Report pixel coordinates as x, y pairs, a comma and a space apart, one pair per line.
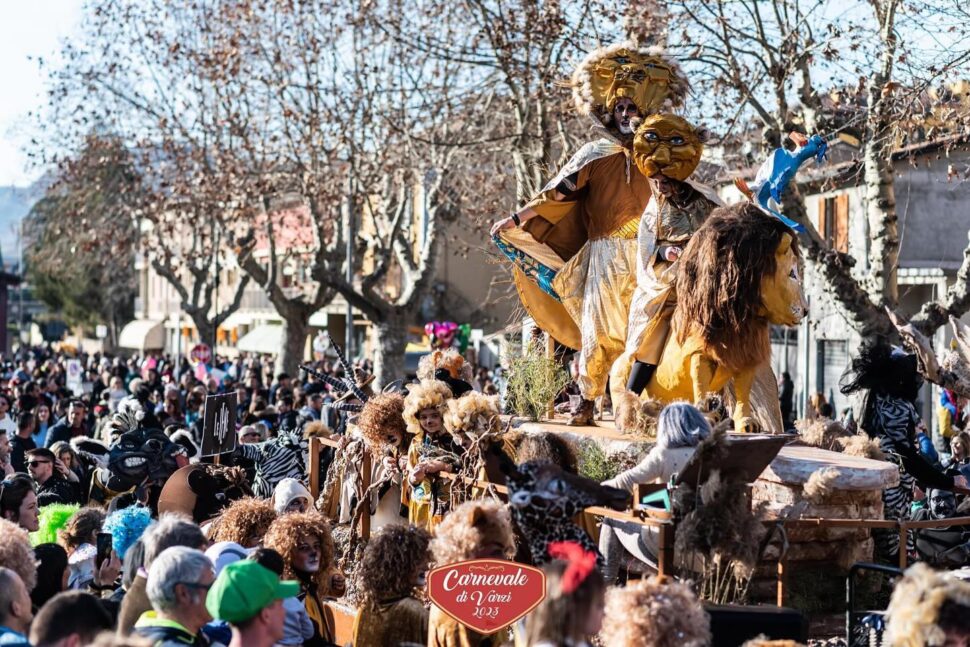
202, 491
382, 427
918, 605
126, 526
16, 553
428, 501
655, 612
474, 423
244, 522
474, 530
575, 263
448, 359
389, 571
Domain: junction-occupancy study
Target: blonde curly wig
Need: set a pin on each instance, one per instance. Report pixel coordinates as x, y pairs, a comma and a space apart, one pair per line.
284, 536
16, 553
918, 601
656, 612
426, 394
448, 359
381, 415
244, 519
473, 416
470, 528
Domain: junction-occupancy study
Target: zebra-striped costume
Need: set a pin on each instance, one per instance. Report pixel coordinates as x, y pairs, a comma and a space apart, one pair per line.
276, 459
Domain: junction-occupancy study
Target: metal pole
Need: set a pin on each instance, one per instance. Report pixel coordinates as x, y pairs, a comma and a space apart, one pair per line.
215, 296
349, 268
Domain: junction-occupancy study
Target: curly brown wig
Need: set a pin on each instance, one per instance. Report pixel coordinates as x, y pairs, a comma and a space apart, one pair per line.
244, 519
382, 415
16, 553
549, 447
719, 283
655, 612
426, 394
284, 536
392, 563
81, 528
469, 527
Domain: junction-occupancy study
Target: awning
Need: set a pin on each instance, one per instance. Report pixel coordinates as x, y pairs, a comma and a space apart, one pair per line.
261, 339
142, 334
319, 319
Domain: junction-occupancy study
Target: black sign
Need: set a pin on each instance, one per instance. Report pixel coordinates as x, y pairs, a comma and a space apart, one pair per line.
219, 424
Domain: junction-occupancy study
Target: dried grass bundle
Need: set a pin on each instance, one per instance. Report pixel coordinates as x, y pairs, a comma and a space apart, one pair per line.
534, 381
637, 417
819, 485
861, 445
821, 432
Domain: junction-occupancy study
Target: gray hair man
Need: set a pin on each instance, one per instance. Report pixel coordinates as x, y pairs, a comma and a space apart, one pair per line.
178, 581
170, 530
15, 610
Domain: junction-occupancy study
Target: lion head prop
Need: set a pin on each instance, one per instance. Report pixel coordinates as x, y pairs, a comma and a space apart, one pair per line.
645, 76
737, 276
668, 145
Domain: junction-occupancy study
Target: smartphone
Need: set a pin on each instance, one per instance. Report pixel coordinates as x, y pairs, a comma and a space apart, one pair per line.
104, 548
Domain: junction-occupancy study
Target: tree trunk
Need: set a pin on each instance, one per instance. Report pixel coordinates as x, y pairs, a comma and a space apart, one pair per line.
392, 338
205, 328
296, 327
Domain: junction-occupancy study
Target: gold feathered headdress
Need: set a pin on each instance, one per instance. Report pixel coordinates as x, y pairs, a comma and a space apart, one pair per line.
426, 394
646, 75
474, 416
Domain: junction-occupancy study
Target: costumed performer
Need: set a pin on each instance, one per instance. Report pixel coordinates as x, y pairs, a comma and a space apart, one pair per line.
382, 427
574, 245
426, 494
391, 569
667, 149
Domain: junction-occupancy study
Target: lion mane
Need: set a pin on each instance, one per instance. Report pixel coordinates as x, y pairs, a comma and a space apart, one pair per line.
719, 284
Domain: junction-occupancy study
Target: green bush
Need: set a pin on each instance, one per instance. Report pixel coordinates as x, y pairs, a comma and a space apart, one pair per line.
534, 381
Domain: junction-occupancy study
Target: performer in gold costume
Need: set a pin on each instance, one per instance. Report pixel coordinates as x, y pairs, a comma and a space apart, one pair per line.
575, 244
667, 150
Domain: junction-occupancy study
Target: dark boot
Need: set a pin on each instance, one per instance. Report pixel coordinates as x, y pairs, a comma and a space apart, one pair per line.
582, 415
640, 376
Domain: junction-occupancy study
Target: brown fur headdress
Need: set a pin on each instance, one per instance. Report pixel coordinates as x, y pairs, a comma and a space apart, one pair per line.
449, 359
473, 415
656, 612
719, 284
381, 416
426, 394
470, 528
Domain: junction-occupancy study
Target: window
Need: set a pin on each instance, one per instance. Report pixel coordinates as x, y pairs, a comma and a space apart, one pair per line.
833, 222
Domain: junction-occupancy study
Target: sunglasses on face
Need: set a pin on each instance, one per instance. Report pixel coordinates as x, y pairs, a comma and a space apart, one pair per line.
36, 463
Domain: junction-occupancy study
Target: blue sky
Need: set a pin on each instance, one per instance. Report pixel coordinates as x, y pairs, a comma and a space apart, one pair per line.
28, 28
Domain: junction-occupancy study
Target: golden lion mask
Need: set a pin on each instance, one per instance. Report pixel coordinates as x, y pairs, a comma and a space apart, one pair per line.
669, 145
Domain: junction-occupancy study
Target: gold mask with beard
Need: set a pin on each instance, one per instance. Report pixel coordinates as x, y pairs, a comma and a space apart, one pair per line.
669, 145
643, 75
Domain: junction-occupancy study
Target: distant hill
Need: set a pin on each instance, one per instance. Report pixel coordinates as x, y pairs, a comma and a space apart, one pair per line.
15, 203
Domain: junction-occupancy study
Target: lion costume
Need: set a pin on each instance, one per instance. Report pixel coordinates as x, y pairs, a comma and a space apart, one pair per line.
575, 260
738, 276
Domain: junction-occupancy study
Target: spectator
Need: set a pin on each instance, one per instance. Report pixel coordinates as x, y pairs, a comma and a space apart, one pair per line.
925, 445
69, 457
572, 611
786, 397
6, 465
282, 383
287, 415
69, 619
297, 626
52, 573
959, 452
313, 407
248, 434
79, 539
22, 442
7, 426
48, 474
170, 530
42, 415
250, 597
18, 502
71, 426
15, 610
291, 496
178, 581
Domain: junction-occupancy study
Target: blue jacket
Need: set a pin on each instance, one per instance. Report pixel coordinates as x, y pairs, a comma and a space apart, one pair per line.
10, 638
926, 448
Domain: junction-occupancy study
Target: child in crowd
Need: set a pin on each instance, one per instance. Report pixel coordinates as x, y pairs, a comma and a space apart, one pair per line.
572, 610
655, 612
392, 567
428, 495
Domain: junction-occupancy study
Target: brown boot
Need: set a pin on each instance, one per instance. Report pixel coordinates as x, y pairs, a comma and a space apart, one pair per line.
582, 415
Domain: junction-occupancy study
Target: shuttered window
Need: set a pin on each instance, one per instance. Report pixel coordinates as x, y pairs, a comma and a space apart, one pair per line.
833, 222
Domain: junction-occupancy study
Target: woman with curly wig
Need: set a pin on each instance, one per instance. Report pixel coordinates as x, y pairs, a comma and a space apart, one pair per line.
381, 425
304, 542
245, 522
656, 612
78, 538
476, 529
391, 568
428, 495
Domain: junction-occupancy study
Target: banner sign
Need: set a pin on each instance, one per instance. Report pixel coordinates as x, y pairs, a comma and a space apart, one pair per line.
219, 424
486, 595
